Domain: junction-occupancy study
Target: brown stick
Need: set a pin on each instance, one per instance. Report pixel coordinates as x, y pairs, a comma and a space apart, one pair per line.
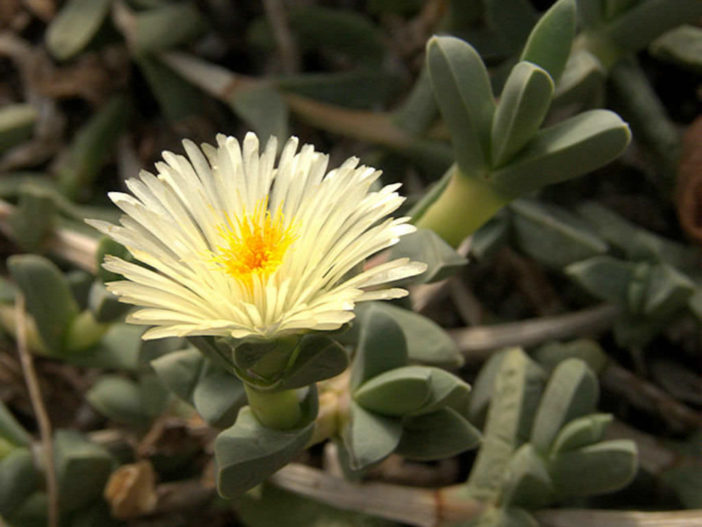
40, 413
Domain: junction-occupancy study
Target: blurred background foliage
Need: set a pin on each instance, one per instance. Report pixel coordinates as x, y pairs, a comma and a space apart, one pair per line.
93, 90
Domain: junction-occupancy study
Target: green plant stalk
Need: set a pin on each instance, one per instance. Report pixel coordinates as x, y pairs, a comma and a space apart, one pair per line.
278, 410
462, 208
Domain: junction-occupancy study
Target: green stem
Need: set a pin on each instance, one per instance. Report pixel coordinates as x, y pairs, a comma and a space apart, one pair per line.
462, 208
278, 410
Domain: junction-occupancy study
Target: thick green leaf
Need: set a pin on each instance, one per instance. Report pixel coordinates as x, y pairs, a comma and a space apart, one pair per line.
166, 26
180, 371
566, 150
686, 481
396, 392
329, 31
591, 12
528, 483
604, 277
523, 104
118, 399
247, 453
74, 26
369, 437
275, 507
668, 291
16, 124
49, 299
490, 237
107, 246
437, 435
516, 386
596, 469
218, 396
426, 246
446, 390
319, 357
644, 22
553, 236
463, 93
177, 98
589, 351
582, 85
427, 342
11, 430
581, 432
571, 392
82, 469
682, 46
91, 147
118, 349
360, 88
18, 479
381, 346
263, 108
105, 305
512, 19
32, 511
550, 41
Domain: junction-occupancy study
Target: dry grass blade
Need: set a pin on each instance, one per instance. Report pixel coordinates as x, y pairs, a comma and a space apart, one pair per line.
590, 518
41, 415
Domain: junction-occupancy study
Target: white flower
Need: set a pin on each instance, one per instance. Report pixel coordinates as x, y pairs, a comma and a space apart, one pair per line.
229, 244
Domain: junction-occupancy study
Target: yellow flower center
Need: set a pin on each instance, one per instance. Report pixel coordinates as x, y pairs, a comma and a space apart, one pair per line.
255, 244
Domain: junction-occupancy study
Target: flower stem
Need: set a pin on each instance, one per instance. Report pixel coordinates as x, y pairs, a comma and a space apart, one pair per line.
462, 208
279, 410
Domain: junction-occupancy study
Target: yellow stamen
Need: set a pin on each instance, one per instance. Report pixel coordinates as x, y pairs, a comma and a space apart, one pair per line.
255, 244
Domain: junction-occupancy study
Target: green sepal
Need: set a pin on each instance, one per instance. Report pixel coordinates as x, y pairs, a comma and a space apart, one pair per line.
515, 390
318, 358
16, 124
18, 480
11, 430
528, 483
426, 246
523, 105
33, 219
396, 392
82, 469
437, 435
581, 432
72, 29
464, 96
119, 399
604, 277
104, 305
550, 41
263, 108
427, 342
247, 453
166, 26
595, 469
381, 346
48, 296
563, 151
572, 391
368, 437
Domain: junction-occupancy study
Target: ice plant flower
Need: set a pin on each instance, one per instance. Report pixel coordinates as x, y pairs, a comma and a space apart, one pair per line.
228, 243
